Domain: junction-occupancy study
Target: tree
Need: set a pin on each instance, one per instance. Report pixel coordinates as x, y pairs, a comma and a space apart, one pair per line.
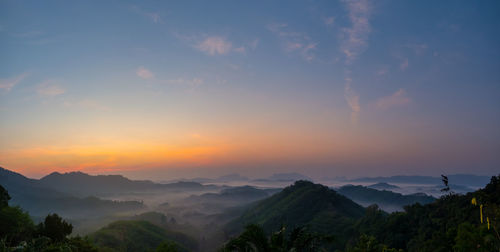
55, 228
15, 224
167, 246
255, 239
4, 197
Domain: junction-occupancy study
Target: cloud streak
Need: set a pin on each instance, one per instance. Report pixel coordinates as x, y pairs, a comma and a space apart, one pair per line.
404, 64
354, 41
144, 73
191, 83
50, 88
399, 98
352, 99
329, 21
355, 38
8, 84
294, 42
215, 45
153, 16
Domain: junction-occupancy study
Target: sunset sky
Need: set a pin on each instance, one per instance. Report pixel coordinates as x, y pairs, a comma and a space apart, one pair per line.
169, 89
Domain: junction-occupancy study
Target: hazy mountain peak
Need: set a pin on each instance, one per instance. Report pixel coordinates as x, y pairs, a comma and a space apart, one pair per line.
383, 186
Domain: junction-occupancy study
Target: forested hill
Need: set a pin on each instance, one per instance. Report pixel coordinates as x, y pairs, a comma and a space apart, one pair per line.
451, 223
303, 203
82, 184
39, 200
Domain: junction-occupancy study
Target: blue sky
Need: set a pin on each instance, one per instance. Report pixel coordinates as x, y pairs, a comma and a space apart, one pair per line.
324, 88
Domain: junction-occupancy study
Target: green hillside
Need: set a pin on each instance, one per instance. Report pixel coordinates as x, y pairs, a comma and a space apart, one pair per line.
303, 204
451, 223
138, 236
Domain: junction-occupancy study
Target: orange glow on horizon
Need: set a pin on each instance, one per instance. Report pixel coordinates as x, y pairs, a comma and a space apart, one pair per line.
109, 157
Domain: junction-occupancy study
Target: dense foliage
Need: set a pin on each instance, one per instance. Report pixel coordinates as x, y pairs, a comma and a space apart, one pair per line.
254, 238
136, 235
452, 223
19, 233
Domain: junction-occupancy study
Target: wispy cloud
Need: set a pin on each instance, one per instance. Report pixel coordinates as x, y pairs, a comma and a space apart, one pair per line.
354, 41
294, 41
144, 73
8, 84
404, 64
329, 20
417, 48
352, 99
383, 70
355, 38
253, 44
155, 17
215, 45
399, 98
192, 83
50, 88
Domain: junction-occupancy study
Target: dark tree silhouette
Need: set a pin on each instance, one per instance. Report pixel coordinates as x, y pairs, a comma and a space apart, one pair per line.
55, 228
255, 239
4, 197
445, 182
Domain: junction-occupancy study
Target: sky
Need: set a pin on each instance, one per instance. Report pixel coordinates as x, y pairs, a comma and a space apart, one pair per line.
169, 89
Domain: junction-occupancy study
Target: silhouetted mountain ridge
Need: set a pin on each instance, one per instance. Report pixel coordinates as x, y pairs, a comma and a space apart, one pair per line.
458, 179
387, 200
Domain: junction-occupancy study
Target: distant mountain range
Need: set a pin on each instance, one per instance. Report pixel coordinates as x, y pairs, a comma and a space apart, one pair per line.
457, 179
235, 177
386, 200
39, 199
383, 186
74, 194
82, 184
229, 197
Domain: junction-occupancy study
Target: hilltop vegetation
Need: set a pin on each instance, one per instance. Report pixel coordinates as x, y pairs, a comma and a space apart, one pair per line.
451, 223
303, 203
139, 236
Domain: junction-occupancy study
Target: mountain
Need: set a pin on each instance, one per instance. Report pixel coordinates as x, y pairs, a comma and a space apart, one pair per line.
383, 186
19, 185
458, 179
231, 177
242, 193
229, 197
303, 203
137, 235
79, 183
40, 200
82, 184
288, 177
387, 200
